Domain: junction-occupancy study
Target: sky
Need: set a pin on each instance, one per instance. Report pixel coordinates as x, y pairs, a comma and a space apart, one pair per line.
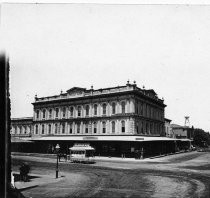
54, 47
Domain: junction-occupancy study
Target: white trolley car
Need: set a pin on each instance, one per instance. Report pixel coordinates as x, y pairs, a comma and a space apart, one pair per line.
82, 153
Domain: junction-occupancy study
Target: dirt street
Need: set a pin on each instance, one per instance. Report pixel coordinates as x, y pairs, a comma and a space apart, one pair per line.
181, 175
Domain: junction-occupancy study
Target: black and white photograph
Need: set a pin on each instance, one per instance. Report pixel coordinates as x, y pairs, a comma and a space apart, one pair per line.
108, 99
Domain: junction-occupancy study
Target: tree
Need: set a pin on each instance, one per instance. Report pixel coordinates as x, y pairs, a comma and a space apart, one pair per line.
201, 138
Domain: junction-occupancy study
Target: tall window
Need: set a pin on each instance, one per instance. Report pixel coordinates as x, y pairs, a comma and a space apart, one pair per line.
86, 128
43, 129
104, 127
137, 128
95, 127
49, 128
43, 113
79, 111
104, 109
50, 113
15, 128
70, 128
78, 128
87, 110
71, 111
64, 112
113, 126
63, 128
113, 108
147, 128
37, 114
137, 107
36, 129
123, 126
56, 112
56, 128
123, 107
95, 109
25, 129
141, 108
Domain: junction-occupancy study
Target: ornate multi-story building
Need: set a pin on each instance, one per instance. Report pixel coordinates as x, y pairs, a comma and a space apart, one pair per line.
115, 120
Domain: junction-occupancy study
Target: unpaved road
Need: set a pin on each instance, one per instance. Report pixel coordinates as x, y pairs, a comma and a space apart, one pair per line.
182, 175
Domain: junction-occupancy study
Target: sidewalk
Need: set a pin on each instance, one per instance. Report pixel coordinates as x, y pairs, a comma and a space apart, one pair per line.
52, 157
35, 180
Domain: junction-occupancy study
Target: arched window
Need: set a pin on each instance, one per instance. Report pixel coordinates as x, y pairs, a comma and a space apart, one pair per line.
56, 112
37, 114
104, 127
50, 113
43, 113
64, 112
70, 128
79, 111
123, 126
56, 128
113, 108
43, 129
36, 129
71, 111
104, 109
86, 128
95, 109
95, 127
147, 128
63, 128
113, 126
123, 107
78, 128
87, 110
49, 128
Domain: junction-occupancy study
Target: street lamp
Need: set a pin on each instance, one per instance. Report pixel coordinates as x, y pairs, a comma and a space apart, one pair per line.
57, 150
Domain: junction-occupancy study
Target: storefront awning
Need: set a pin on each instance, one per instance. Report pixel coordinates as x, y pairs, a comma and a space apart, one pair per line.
20, 140
103, 138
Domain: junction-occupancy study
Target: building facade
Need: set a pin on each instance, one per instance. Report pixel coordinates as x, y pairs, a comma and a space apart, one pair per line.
168, 129
116, 120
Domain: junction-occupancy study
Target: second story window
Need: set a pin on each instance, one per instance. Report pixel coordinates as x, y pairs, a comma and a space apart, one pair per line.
86, 128
49, 128
50, 113
95, 127
71, 111
70, 128
56, 112
87, 110
63, 128
43, 113
78, 128
104, 109
79, 111
123, 126
104, 127
95, 109
56, 128
123, 107
64, 112
37, 114
113, 126
36, 129
113, 108
43, 129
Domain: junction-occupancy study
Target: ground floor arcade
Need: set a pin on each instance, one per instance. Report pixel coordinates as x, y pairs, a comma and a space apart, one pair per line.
134, 147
